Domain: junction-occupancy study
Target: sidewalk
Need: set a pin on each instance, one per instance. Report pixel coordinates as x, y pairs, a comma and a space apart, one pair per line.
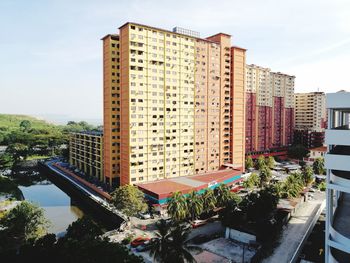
295, 230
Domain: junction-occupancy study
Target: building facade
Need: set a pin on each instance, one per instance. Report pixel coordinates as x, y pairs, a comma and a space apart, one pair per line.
337, 162
86, 153
310, 119
269, 109
173, 104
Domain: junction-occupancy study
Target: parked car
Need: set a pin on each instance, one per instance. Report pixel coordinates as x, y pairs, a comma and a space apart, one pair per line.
198, 223
147, 245
139, 241
144, 215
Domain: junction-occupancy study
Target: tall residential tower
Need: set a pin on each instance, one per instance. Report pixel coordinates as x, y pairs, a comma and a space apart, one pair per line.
173, 104
269, 109
310, 118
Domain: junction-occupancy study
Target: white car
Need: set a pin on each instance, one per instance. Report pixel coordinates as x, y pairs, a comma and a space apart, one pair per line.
144, 215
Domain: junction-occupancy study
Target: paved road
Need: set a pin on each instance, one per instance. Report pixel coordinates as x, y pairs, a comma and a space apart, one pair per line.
293, 233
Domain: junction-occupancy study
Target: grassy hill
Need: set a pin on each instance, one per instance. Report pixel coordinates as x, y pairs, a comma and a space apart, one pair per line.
11, 122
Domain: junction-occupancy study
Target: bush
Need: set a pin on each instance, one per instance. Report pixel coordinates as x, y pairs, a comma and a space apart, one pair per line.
322, 186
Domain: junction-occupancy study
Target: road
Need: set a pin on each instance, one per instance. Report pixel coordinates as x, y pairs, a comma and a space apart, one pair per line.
296, 229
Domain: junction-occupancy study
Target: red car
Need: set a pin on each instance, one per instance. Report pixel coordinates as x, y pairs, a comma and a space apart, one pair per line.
198, 223
139, 241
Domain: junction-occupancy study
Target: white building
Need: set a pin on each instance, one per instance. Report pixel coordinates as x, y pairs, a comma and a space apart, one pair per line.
337, 162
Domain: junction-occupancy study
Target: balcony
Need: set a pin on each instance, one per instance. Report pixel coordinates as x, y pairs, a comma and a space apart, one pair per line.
340, 231
338, 158
338, 136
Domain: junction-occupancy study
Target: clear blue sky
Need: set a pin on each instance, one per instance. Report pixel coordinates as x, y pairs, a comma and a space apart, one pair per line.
51, 53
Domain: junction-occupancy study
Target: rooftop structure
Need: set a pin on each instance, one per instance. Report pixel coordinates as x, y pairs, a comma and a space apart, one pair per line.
158, 192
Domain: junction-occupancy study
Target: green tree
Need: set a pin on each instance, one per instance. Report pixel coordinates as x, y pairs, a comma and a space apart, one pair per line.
308, 175
194, 205
160, 250
265, 175
6, 161
268, 200
23, 223
322, 186
270, 162
82, 229
260, 163
18, 152
172, 244
25, 125
83, 243
292, 186
252, 181
209, 200
298, 152
223, 195
318, 166
129, 199
249, 162
177, 206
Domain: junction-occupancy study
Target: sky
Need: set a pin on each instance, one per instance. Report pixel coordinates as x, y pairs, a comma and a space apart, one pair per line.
51, 52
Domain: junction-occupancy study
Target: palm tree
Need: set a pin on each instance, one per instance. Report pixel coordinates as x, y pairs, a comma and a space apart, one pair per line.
308, 175
270, 162
224, 195
172, 244
265, 175
292, 186
260, 162
177, 207
209, 200
318, 165
194, 205
252, 181
160, 249
249, 162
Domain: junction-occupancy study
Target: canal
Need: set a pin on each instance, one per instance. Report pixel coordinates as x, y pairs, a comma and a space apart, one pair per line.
61, 207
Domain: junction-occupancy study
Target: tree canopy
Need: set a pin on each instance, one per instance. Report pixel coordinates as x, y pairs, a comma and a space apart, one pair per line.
129, 199
82, 243
260, 162
172, 244
298, 152
21, 224
318, 166
177, 206
249, 162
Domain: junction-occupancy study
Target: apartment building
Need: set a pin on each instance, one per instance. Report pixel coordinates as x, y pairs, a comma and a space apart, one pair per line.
173, 104
337, 162
269, 109
85, 153
310, 119
310, 111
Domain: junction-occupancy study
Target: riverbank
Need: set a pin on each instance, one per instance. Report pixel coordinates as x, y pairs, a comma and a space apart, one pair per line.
62, 205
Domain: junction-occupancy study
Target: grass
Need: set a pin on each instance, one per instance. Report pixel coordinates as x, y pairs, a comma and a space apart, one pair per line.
12, 121
36, 157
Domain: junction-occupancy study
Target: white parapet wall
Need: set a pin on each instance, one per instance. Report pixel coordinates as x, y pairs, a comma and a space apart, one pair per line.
240, 236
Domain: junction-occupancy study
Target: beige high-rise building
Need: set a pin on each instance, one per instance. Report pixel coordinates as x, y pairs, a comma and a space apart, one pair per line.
85, 153
310, 111
173, 104
269, 109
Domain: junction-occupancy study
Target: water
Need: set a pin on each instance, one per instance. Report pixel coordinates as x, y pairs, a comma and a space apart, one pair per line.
59, 208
